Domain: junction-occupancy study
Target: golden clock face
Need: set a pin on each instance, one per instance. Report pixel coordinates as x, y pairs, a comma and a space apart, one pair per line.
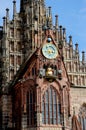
50, 51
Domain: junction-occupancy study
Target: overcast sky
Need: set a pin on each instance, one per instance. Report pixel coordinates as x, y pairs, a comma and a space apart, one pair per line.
72, 16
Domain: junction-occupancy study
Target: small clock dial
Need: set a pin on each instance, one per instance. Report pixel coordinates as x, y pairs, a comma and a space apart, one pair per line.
49, 51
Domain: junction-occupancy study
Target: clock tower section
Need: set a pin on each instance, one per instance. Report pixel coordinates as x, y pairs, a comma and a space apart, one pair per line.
42, 90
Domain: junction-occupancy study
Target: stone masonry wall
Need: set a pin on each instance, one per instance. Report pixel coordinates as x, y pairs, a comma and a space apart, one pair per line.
78, 97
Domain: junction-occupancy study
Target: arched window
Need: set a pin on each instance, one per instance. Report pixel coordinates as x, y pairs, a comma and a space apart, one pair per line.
51, 107
30, 108
83, 122
82, 116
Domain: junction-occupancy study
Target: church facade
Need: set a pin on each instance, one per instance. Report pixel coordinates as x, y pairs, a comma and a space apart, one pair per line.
42, 79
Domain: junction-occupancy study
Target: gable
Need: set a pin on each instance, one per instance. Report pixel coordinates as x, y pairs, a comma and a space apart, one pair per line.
46, 62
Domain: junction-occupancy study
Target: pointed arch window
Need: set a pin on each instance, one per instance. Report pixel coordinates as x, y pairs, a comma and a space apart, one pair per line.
83, 122
30, 108
82, 116
51, 107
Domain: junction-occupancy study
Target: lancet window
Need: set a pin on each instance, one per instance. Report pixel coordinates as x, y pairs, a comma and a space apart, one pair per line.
51, 107
82, 116
30, 108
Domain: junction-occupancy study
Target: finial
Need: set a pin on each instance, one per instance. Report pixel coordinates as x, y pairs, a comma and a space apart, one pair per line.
7, 9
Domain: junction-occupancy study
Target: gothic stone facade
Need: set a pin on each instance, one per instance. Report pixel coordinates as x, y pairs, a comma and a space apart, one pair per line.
42, 80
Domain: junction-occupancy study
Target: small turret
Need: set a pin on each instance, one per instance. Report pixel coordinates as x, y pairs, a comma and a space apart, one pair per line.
70, 41
56, 27
76, 48
7, 15
61, 33
4, 25
83, 57
49, 11
49, 18
64, 33
76, 51
21, 5
56, 21
14, 8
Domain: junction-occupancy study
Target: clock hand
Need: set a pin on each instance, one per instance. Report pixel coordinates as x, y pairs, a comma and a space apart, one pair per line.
50, 51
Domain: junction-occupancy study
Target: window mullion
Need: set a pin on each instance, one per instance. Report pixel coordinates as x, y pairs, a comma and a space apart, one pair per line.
32, 114
29, 108
48, 107
56, 102
44, 110
52, 108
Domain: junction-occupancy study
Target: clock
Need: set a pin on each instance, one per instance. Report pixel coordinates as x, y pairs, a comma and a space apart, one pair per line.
50, 51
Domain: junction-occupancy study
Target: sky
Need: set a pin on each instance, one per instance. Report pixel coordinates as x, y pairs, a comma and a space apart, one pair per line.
72, 16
